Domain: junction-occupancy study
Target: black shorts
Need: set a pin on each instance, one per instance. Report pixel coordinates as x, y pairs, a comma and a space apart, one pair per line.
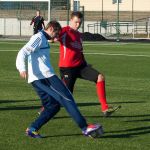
86, 72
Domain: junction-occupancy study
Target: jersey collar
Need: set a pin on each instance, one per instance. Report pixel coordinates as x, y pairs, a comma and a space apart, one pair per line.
46, 35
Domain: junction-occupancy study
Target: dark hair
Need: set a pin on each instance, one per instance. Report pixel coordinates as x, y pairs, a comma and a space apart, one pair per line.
56, 26
38, 10
77, 14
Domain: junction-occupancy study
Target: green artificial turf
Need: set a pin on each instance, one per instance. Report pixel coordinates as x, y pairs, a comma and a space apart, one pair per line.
126, 69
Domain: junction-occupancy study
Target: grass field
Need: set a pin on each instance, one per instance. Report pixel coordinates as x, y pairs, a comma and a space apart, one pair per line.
127, 72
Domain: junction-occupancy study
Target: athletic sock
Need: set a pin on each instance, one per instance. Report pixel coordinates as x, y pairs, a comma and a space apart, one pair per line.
102, 95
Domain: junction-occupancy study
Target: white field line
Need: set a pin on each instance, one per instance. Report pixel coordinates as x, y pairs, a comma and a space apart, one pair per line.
87, 53
90, 43
9, 50
110, 54
86, 43
12, 43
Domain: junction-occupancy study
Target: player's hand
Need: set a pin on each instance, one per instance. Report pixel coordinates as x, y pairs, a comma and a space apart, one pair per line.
53, 40
23, 74
56, 39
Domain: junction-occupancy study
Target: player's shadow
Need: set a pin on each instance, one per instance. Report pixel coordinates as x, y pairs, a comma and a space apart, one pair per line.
141, 120
130, 133
17, 107
97, 103
32, 107
87, 104
101, 116
79, 104
15, 101
128, 102
63, 135
20, 108
128, 116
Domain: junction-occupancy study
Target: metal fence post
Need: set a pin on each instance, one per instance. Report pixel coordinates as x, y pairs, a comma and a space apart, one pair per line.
20, 26
4, 26
68, 11
118, 21
49, 10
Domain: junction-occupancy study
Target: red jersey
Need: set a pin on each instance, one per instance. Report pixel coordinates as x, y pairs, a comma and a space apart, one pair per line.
71, 50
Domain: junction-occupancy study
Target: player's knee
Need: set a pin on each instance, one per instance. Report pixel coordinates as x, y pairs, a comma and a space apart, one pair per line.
100, 78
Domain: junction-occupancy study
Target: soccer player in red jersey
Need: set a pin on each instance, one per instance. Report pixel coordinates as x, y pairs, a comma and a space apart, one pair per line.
72, 63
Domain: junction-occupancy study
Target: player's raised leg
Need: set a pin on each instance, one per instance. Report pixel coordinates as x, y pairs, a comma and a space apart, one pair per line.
100, 86
60, 93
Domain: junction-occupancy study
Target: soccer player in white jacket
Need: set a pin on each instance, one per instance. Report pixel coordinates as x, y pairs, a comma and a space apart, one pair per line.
51, 90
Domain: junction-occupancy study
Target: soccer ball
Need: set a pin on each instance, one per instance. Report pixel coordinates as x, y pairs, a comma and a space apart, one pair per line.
97, 133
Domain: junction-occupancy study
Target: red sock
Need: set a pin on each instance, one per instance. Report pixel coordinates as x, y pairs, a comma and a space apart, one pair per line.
102, 95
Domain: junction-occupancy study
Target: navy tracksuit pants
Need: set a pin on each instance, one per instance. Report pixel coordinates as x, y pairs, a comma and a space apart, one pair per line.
53, 94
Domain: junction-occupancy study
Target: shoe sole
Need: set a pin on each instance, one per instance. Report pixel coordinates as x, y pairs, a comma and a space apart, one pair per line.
97, 133
109, 113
